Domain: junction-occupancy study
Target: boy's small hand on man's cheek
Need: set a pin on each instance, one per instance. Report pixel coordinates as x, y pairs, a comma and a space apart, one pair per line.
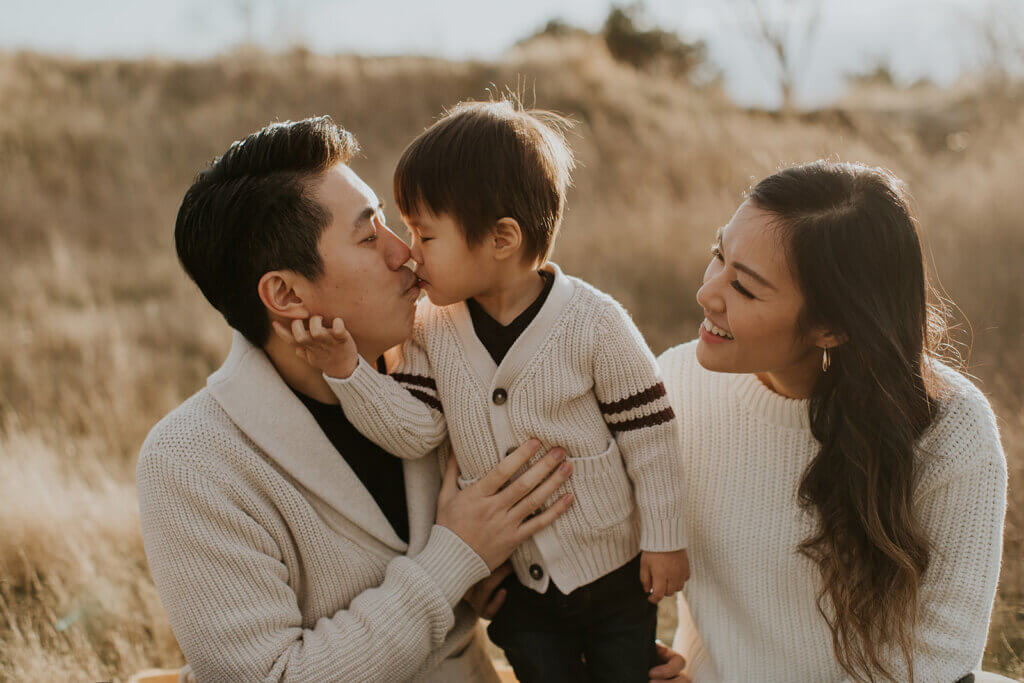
663, 574
328, 349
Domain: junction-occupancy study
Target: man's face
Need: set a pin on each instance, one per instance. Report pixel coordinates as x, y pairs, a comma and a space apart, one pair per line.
365, 281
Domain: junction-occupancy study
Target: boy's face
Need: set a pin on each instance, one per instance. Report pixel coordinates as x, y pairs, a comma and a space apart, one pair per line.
448, 268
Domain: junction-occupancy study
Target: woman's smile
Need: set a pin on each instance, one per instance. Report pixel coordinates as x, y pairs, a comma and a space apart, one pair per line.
712, 334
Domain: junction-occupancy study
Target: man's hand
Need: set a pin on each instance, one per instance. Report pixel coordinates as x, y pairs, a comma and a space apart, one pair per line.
331, 350
491, 517
670, 667
663, 573
485, 597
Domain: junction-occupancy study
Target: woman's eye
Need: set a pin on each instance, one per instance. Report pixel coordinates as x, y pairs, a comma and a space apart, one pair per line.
426, 239
371, 238
741, 289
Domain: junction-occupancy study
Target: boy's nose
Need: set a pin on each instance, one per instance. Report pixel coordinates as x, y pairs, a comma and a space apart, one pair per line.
416, 252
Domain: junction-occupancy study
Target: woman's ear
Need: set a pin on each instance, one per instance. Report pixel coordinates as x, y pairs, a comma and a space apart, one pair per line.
825, 339
506, 238
277, 292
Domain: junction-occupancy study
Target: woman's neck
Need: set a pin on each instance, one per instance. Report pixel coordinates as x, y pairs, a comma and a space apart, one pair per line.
796, 381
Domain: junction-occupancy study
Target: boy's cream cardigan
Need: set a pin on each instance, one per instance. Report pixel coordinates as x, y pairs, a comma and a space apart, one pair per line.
274, 562
580, 376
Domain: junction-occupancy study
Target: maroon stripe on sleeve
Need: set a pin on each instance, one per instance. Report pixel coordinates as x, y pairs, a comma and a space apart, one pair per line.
428, 399
417, 380
635, 401
660, 417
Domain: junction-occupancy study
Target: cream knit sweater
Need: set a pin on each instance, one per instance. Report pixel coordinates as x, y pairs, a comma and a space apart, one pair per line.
751, 596
580, 376
273, 561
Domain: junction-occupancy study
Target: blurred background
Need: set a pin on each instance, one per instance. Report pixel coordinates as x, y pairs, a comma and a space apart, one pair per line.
109, 108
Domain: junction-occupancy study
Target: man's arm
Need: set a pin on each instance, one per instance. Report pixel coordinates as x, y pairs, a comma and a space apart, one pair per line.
225, 587
229, 598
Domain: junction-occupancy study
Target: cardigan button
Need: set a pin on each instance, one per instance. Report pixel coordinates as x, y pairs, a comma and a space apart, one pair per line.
536, 573
499, 396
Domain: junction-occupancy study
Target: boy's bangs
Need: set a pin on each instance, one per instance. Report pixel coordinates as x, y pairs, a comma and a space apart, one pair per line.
418, 188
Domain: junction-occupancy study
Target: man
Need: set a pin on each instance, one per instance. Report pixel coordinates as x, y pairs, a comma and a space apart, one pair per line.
283, 544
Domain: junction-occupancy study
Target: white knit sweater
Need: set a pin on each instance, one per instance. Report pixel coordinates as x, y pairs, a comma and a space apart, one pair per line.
273, 561
751, 596
580, 376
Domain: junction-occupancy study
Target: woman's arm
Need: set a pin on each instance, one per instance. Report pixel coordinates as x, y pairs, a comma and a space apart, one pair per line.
962, 513
963, 518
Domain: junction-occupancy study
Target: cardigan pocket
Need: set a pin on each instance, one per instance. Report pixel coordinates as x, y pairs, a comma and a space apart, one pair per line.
604, 495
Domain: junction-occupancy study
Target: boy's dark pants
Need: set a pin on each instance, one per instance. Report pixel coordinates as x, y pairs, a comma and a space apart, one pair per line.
608, 623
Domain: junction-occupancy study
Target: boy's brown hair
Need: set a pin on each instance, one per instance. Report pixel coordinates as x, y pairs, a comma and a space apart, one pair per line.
484, 161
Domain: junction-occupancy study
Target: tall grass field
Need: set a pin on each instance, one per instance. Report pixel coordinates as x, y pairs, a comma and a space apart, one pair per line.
101, 333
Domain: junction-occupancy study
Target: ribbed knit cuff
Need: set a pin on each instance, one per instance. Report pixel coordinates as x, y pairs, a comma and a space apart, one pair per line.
662, 535
362, 383
453, 565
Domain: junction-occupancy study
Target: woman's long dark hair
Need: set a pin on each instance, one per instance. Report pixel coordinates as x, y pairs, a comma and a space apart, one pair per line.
853, 246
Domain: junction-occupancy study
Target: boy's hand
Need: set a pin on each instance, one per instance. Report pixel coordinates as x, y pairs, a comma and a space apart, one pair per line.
328, 349
663, 573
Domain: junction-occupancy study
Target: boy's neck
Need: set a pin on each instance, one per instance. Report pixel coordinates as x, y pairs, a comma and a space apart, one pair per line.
512, 293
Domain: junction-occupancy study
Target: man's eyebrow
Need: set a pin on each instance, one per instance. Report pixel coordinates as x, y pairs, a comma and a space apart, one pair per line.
368, 213
742, 268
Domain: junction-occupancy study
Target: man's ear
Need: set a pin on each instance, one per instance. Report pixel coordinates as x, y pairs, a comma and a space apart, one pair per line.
277, 292
506, 238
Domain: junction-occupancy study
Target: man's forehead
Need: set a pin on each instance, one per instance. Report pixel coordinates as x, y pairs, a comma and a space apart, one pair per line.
345, 193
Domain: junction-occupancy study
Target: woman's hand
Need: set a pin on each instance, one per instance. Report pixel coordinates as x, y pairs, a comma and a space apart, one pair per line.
490, 517
485, 597
671, 667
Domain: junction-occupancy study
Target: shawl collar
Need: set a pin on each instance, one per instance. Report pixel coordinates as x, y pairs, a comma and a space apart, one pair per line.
254, 395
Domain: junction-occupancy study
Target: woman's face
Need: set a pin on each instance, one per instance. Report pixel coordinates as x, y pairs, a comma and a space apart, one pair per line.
751, 300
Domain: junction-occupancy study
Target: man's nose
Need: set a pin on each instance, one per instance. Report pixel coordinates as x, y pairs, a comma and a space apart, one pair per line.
396, 252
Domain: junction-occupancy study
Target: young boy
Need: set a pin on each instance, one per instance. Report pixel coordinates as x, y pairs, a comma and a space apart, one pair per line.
508, 348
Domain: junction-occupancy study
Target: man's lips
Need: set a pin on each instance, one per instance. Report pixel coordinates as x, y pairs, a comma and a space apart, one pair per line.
413, 282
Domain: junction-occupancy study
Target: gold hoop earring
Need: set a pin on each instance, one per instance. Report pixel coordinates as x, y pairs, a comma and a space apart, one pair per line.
826, 361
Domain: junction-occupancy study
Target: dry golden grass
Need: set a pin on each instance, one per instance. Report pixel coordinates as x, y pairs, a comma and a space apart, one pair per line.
103, 335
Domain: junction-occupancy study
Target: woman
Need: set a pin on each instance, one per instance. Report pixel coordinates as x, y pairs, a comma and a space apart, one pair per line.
846, 490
